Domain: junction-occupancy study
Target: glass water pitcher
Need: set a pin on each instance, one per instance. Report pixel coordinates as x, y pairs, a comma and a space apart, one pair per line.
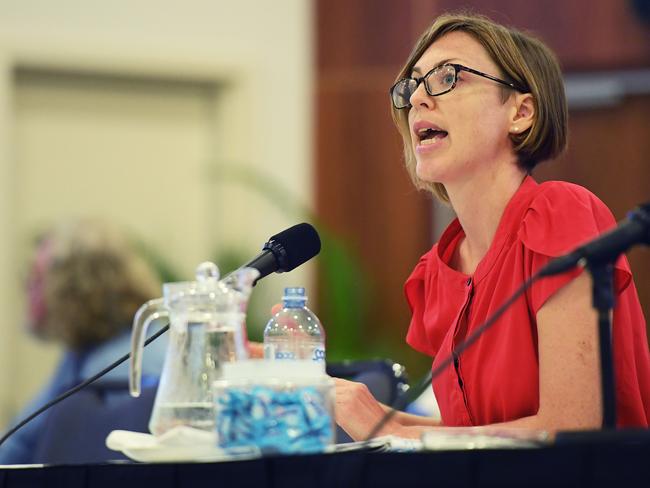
207, 328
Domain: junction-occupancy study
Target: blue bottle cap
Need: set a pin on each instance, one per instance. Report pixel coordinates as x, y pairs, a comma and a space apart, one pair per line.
294, 293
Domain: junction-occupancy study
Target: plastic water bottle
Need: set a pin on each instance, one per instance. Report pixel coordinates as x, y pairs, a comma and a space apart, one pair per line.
294, 332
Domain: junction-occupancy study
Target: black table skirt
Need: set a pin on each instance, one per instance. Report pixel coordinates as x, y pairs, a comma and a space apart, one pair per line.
579, 463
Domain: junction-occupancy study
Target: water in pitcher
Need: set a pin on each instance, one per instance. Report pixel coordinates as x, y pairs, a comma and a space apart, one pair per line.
199, 415
202, 350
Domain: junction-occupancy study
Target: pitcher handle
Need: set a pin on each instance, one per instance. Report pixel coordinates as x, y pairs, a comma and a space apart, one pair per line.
147, 313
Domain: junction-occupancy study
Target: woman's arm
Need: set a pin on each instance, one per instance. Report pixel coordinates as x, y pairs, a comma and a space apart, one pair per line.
569, 375
569, 360
404, 418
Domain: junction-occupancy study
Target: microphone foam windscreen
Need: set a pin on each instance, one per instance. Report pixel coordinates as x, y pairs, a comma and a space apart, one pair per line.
300, 242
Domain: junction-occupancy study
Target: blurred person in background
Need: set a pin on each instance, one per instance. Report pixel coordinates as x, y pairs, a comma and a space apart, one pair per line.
85, 284
478, 106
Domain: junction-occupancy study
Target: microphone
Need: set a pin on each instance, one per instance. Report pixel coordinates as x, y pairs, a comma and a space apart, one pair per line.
634, 230
286, 250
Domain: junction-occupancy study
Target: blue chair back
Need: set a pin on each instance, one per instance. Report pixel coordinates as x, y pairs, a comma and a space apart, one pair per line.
76, 429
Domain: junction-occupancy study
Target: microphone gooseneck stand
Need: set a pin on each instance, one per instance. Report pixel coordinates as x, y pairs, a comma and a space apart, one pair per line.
602, 273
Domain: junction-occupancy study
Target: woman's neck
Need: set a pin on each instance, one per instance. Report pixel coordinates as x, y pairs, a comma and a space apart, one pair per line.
479, 204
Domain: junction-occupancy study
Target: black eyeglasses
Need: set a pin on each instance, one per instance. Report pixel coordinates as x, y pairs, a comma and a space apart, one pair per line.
439, 80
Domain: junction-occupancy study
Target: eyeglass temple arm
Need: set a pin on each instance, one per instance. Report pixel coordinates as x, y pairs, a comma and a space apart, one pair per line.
511, 84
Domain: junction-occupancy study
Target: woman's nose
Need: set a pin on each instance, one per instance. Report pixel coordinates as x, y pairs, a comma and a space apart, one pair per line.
420, 97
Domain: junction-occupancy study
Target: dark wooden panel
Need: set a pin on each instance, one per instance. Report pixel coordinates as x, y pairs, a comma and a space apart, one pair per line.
362, 32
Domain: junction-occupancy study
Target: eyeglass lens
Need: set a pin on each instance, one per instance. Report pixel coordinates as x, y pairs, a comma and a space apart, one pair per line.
437, 81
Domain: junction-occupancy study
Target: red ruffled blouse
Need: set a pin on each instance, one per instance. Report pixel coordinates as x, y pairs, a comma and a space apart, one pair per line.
497, 378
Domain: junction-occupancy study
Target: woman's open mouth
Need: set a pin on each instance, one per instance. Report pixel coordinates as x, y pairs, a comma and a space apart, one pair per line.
429, 136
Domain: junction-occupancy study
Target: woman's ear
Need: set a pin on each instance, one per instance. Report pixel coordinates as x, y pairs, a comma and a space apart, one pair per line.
523, 113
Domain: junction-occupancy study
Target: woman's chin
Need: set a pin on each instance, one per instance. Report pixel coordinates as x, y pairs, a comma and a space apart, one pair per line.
427, 174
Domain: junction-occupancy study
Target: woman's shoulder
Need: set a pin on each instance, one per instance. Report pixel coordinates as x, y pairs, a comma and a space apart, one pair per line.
566, 190
425, 265
562, 215
557, 195
415, 291
421, 277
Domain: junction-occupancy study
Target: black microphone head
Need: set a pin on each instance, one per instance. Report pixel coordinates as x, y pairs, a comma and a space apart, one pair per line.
294, 246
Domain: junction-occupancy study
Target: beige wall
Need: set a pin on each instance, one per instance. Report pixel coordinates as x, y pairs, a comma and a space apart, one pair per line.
181, 88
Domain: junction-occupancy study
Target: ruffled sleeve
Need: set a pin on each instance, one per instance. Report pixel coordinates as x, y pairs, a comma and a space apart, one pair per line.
561, 217
415, 291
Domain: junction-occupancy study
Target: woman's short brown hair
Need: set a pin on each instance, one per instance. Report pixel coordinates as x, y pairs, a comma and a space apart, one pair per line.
521, 58
93, 283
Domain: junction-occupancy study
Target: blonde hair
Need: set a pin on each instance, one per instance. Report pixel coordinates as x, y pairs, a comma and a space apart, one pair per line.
521, 58
93, 284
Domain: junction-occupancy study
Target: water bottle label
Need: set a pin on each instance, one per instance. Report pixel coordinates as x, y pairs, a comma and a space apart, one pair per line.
285, 355
319, 354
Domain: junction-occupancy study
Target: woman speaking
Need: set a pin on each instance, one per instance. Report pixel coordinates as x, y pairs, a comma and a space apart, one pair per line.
478, 106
